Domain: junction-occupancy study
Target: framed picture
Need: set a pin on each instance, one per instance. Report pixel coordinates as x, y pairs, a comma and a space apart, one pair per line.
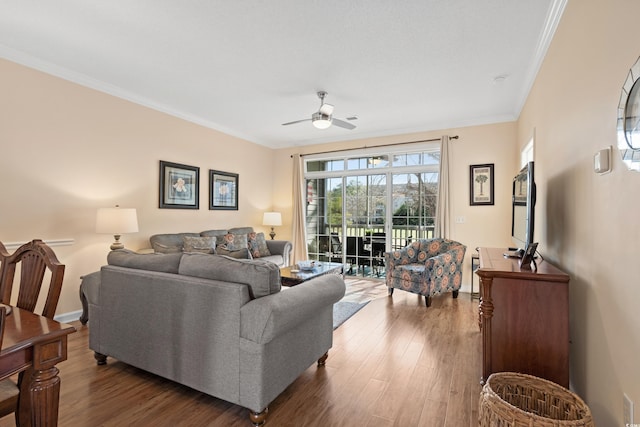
179, 186
223, 190
481, 184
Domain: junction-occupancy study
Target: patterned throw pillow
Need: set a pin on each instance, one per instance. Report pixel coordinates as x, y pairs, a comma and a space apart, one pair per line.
205, 245
234, 242
258, 245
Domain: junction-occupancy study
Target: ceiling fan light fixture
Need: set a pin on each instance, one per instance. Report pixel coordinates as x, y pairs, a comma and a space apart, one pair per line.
321, 121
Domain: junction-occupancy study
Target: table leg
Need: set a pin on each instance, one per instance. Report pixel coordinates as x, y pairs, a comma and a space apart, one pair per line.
39, 398
40, 386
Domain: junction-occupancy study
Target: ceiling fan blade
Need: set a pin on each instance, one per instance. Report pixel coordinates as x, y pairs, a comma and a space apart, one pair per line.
297, 121
326, 109
343, 124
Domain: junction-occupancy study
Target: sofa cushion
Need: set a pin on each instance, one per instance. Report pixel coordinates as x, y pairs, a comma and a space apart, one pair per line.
258, 245
218, 234
241, 230
205, 245
262, 277
169, 243
239, 254
162, 262
234, 242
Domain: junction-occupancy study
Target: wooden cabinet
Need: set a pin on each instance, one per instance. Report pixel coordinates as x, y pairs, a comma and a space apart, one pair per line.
524, 318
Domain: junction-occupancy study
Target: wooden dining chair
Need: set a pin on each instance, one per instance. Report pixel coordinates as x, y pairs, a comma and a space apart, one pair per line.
8, 389
34, 259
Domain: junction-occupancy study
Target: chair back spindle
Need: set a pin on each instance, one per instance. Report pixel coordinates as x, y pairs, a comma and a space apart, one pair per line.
3, 316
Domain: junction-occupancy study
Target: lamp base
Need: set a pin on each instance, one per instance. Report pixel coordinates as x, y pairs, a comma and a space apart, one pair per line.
272, 234
117, 244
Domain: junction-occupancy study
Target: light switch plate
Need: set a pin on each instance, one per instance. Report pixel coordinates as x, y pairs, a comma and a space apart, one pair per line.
602, 161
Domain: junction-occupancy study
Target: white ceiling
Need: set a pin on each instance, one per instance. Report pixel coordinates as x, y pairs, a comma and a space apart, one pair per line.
246, 67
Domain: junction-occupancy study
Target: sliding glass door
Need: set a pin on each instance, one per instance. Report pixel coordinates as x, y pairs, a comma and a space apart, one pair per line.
365, 219
359, 207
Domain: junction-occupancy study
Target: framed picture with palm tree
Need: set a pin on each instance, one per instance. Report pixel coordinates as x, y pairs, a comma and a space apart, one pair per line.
481, 184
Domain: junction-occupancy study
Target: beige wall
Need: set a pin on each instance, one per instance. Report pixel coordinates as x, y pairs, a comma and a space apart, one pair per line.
588, 223
484, 225
68, 150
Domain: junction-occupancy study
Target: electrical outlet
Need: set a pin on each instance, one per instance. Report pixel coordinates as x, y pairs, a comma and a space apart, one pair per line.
627, 408
459, 220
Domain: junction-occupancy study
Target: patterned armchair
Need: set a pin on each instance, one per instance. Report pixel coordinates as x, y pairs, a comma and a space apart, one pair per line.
426, 267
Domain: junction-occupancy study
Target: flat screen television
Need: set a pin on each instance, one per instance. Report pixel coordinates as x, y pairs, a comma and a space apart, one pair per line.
523, 207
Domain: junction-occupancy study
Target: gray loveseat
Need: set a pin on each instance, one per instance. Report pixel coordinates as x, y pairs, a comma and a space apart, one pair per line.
219, 325
277, 251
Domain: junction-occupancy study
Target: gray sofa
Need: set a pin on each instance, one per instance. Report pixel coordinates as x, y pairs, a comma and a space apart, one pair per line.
278, 251
219, 325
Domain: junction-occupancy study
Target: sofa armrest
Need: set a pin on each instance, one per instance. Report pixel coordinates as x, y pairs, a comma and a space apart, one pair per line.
281, 247
89, 290
263, 319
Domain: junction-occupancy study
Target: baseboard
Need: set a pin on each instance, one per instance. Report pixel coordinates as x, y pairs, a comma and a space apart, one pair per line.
68, 317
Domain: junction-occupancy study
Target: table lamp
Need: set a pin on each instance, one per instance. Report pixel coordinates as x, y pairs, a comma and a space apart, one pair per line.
272, 219
116, 221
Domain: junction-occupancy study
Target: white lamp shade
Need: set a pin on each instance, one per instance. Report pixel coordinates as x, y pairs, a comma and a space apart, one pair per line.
272, 218
116, 221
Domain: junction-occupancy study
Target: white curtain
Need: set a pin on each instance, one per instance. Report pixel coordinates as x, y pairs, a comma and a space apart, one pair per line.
299, 233
443, 215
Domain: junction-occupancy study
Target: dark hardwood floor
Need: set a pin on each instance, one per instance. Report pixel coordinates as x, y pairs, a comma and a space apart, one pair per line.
395, 363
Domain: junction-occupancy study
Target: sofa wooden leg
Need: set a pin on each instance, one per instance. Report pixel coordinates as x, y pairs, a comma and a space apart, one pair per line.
258, 418
100, 358
390, 291
427, 301
455, 294
323, 360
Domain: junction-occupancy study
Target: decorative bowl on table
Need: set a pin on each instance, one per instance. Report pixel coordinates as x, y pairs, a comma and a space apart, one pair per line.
307, 265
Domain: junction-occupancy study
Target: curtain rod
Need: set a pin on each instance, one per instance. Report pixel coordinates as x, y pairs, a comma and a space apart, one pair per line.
375, 146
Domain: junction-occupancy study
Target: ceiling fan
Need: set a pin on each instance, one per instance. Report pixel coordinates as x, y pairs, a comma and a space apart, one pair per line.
323, 118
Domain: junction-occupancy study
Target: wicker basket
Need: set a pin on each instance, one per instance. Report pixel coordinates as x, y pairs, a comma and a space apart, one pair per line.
518, 400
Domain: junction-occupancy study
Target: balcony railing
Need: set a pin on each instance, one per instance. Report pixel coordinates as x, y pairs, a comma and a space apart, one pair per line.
362, 246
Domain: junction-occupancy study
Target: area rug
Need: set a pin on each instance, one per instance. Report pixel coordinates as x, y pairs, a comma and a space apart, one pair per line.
343, 310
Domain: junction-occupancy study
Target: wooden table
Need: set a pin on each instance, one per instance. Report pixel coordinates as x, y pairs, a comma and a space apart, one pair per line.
289, 276
33, 345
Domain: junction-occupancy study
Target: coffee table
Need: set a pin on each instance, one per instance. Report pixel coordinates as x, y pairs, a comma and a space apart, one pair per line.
291, 276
